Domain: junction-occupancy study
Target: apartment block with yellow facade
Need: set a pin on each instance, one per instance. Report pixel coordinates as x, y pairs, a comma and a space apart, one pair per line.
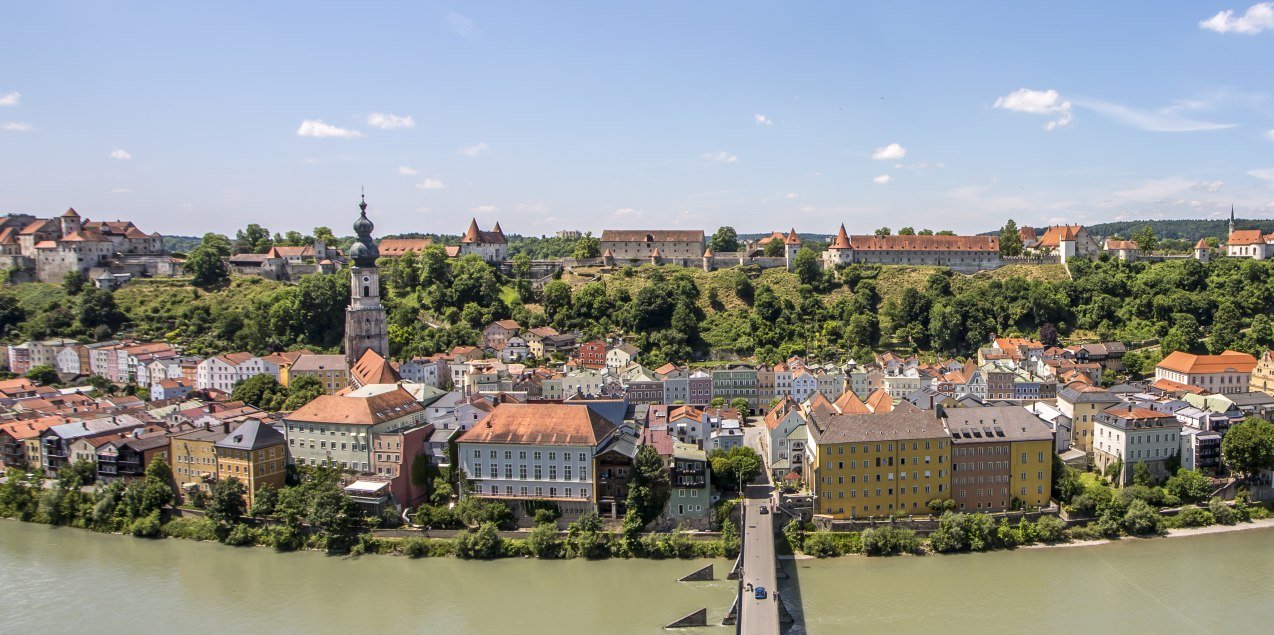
1081, 403
331, 370
1001, 458
866, 465
195, 459
256, 454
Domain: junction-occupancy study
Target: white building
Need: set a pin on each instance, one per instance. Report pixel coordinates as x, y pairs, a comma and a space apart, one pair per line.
222, 372
1227, 373
1135, 435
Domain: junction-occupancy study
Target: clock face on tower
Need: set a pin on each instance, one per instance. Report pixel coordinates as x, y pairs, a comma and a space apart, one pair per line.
367, 279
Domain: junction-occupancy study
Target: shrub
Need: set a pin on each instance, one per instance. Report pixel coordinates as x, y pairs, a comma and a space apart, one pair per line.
415, 547
147, 526
543, 541
963, 532
191, 529
1085, 532
1194, 517
1223, 514
482, 543
241, 536
284, 538
823, 544
1050, 529
889, 541
1141, 519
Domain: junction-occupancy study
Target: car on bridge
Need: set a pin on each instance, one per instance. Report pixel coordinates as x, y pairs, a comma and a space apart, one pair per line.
765, 509
759, 593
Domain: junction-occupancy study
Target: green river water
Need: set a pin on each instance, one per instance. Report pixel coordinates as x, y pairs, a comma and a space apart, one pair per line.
74, 581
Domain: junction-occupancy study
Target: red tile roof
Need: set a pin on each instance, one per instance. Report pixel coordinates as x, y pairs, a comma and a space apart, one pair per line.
540, 424
925, 243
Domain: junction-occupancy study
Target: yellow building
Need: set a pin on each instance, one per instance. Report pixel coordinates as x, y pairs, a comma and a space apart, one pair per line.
331, 370
1001, 458
1263, 374
256, 454
1081, 403
195, 460
879, 464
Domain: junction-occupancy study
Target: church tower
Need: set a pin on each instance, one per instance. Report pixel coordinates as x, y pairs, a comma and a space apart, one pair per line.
1231, 222
365, 325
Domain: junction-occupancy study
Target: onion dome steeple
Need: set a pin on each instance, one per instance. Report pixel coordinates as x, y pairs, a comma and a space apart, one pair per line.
363, 252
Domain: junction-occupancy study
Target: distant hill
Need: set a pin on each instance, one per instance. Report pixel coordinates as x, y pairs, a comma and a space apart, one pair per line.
1188, 230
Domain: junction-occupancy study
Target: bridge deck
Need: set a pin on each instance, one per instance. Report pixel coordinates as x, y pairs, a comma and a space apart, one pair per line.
759, 617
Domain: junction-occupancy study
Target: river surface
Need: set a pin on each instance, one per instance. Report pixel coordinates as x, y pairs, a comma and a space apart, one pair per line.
73, 581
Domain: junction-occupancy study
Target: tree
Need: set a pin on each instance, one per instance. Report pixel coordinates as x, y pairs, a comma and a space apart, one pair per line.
262, 391
1226, 326
254, 239
1141, 474
1248, 447
73, 282
1141, 519
728, 467
205, 266
907, 231
648, 488
883, 231
1010, 239
1189, 485
217, 243
586, 247
1048, 334
325, 236
717, 402
774, 248
741, 404
1145, 238
43, 375
265, 500
227, 503
805, 264
725, 240
303, 390
97, 308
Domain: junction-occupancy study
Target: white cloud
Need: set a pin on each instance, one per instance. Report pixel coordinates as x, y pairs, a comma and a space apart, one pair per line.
1167, 119
720, 156
316, 128
1038, 102
1166, 191
891, 152
485, 209
121, 190
431, 184
790, 195
10, 99
1258, 17
407, 170
923, 165
809, 209
16, 126
389, 121
1270, 135
120, 154
475, 150
462, 25
626, 212
1265, 174
882, 179
762, 119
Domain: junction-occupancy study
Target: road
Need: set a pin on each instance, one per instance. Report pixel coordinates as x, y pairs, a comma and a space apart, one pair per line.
759, 617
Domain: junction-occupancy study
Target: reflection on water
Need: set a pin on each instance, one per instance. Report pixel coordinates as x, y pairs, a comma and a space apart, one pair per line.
1207, 584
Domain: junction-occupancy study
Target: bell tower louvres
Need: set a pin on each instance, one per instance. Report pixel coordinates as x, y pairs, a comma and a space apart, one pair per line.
365, 326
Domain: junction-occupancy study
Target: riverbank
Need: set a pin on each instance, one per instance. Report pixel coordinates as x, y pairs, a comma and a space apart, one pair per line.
1184, 532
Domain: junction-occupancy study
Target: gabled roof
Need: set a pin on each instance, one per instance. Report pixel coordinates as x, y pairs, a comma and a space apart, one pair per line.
473, 235
312, 363
880, 402
540, 424
1053, 235
371, 368
1239, 237
850, 403
889, 426
1121, 245
234, 359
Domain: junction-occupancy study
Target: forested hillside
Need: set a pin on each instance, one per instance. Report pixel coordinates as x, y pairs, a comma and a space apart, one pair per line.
1187, 230
686, 314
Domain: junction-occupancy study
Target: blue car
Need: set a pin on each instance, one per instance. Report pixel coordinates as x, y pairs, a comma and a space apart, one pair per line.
759, 593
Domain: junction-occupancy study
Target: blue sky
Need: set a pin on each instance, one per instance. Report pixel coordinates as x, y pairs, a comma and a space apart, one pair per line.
189, 117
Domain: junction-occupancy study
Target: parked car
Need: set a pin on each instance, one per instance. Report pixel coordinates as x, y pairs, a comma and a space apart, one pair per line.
759, 593
765, 509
